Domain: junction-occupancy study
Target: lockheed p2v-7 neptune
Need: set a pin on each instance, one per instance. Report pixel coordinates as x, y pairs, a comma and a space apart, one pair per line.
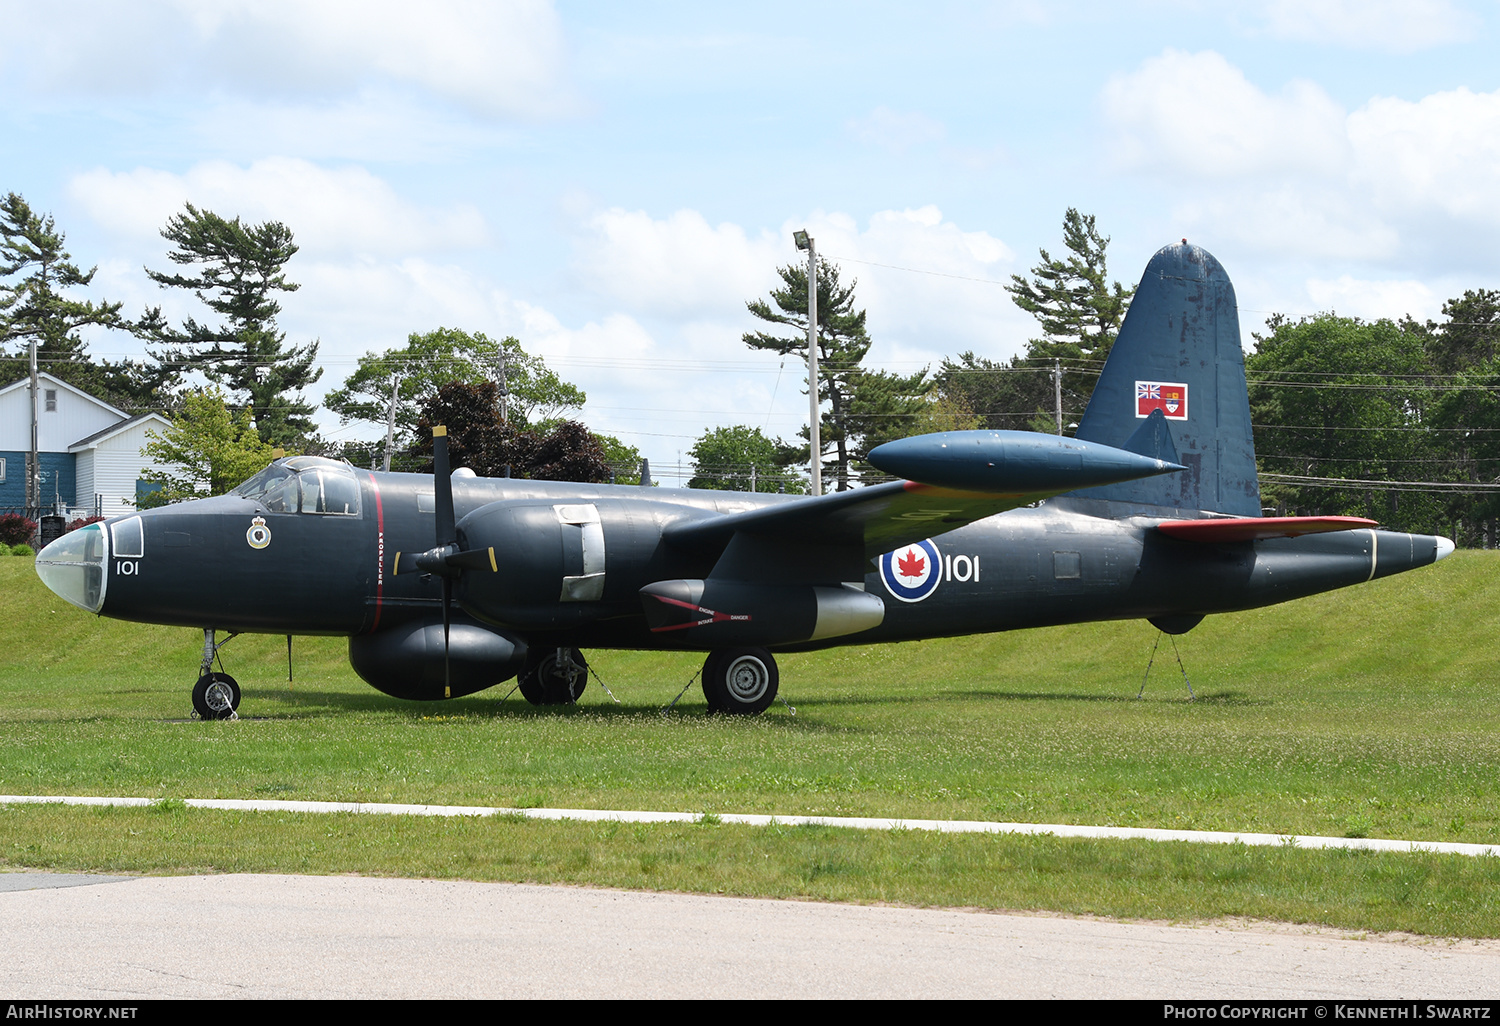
449, 584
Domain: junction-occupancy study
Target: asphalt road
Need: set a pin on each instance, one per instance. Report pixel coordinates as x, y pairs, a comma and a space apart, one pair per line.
108, 939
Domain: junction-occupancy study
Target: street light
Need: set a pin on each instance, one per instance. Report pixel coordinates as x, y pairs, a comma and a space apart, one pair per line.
805, 242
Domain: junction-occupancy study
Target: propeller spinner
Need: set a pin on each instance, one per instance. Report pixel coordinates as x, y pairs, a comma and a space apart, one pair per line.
445, 559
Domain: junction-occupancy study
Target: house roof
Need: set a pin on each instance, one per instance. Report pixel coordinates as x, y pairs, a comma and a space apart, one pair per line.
114, 429
25, 382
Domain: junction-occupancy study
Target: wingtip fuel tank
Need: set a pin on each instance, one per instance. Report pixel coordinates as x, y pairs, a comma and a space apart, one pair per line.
1012, 462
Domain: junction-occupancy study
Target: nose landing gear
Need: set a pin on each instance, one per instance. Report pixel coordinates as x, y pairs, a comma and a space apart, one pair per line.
216, 696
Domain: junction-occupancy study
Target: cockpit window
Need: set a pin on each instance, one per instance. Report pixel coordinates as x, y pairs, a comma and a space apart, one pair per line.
305, 484
329, 490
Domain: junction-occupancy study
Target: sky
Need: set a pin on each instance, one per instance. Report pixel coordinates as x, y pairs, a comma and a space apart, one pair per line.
610, 183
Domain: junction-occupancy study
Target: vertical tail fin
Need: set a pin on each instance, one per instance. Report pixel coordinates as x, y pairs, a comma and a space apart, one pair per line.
1175, 382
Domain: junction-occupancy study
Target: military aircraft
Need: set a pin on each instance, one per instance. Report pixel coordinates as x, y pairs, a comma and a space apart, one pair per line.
449, 584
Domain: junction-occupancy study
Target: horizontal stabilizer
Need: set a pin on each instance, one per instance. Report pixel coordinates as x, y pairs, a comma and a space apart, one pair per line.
1240, 529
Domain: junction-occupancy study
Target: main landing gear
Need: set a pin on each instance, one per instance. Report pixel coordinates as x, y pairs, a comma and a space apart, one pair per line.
216, 696
740, 681
556, 678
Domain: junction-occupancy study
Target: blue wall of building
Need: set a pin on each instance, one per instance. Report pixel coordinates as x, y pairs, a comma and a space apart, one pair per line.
59, 472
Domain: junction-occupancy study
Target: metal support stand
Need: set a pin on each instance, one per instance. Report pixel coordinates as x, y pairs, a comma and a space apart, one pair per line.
1191, 695
603, 685
684, 691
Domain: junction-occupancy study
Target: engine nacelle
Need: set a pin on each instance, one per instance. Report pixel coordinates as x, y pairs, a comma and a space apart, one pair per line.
550, 557
715, 613
406, 661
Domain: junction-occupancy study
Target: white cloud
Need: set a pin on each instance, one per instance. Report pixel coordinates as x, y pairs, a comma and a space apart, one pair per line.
330, 210
1398, 26
679, 263
937, 293
894, 130
1197, 114
1304, 220
1371, 300
1441, 153
1293, 173
492, 57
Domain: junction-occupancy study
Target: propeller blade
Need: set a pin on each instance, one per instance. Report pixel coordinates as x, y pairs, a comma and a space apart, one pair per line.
475, 559
442, 486
447, 601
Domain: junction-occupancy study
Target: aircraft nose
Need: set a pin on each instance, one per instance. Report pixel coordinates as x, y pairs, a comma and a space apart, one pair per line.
73, 567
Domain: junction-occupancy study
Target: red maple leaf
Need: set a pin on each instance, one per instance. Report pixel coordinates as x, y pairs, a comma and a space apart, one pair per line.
911, 564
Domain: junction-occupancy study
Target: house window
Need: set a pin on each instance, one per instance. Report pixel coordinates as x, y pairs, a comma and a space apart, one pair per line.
51, 396
2, 469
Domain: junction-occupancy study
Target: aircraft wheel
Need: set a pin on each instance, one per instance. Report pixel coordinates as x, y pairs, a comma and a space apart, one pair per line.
546, 682
216, 696
740, 681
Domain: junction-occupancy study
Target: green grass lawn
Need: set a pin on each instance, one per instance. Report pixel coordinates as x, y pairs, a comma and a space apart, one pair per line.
1366, 712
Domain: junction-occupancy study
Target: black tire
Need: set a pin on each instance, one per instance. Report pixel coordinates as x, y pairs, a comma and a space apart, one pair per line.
216, 696
543, 682
740, 681
710, 668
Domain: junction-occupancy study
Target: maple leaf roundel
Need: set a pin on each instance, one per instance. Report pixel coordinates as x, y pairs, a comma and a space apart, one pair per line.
912, 572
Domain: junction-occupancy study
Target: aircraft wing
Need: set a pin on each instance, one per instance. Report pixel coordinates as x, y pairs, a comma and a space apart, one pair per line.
1238, 529
953, 479
878, 518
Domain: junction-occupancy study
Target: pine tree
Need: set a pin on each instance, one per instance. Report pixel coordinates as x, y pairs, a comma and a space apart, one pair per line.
235, 269
1080, 314
842, 346
35, 272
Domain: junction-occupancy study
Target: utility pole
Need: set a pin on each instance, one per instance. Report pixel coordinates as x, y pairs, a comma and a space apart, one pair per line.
33, 458
1057, 384
814, 435
390, 422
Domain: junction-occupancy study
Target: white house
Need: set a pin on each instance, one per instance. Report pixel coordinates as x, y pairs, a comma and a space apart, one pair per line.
90, 452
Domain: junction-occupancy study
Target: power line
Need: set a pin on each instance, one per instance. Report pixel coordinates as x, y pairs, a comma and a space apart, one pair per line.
1461, 487
917, 270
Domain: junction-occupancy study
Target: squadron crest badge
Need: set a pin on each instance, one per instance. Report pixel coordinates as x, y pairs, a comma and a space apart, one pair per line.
259, 535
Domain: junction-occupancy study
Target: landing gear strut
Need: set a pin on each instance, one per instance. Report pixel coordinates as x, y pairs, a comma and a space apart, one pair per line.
740, 681
216, 696
557, 678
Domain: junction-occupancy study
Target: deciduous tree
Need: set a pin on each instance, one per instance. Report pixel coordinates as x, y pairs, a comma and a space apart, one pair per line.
1340, 398
432, 359
479, 440
211, 447
725, 457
